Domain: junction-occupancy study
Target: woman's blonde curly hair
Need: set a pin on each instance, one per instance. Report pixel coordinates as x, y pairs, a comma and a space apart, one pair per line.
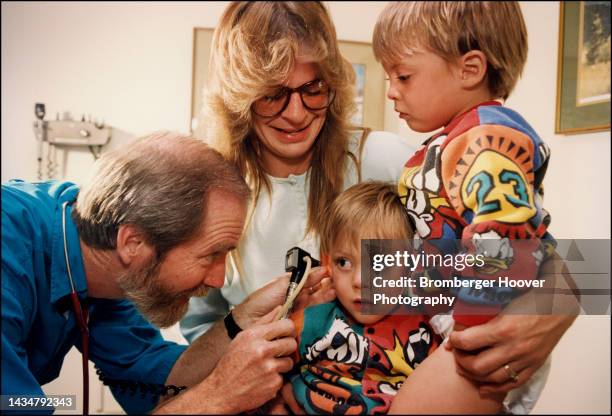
254, 50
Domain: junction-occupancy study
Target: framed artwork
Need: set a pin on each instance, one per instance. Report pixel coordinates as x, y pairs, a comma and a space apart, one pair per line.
202, 39
370, 80
583, 75
369, 84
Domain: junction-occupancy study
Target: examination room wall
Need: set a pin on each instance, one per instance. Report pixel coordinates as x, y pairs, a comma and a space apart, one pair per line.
131, 65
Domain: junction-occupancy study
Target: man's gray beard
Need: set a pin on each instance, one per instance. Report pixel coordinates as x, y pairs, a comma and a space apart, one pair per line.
154, 301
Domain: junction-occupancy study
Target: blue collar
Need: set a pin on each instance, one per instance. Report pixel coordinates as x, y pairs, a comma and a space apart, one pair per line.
59, 283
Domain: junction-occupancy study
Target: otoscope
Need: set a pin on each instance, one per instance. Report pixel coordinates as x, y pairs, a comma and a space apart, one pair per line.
295, 262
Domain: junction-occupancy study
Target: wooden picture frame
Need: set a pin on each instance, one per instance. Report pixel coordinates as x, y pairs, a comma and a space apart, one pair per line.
369, 84
370, 80
202, 40
583, 72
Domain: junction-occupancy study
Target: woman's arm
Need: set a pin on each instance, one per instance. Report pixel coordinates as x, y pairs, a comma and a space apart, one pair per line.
383, 156
203, 312
436, 387
523, 341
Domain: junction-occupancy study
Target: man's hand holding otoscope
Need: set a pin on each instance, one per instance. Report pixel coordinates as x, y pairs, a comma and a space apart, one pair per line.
299, 262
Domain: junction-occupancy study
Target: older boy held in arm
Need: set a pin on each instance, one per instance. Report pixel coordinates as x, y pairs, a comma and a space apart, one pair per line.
348, 360
449, 65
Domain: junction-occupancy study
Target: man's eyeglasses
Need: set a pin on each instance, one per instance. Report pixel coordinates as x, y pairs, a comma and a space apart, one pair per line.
315, 95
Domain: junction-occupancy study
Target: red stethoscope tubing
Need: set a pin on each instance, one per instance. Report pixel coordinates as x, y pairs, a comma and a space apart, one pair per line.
81, 317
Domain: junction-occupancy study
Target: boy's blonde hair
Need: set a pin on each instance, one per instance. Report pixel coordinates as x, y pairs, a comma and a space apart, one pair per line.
452, 28
366, 210
254, 49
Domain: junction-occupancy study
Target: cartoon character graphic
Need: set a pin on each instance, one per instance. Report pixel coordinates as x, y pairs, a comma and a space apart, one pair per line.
418, 209
395, 362
341, 344
418, 346
328, 382
422, 182
352, 368
497, 251
428, 177
330, 393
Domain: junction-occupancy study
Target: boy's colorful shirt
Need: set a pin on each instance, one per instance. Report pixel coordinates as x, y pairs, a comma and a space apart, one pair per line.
347, 368
481, 178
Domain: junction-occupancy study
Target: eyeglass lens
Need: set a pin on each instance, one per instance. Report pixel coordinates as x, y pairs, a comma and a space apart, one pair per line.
315, 95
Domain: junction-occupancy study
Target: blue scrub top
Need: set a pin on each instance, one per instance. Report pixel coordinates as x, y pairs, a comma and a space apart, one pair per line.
38, 323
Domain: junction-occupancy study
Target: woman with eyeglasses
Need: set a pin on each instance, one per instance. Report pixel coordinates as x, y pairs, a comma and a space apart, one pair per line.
278, 104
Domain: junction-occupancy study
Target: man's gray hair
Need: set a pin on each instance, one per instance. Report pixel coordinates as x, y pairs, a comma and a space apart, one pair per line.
159, 183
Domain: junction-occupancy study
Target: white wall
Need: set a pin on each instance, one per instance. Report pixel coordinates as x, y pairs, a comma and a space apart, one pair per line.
130, 64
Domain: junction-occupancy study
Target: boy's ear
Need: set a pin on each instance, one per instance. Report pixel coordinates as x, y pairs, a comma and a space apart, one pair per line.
473, 68
132, 246
326, 262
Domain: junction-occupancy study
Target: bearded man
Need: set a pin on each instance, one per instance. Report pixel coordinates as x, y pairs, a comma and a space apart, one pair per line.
103, 266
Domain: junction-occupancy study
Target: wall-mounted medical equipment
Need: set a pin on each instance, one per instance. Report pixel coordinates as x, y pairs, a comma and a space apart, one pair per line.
66, 133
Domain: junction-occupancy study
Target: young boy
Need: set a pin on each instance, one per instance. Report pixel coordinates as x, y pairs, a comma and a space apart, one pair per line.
349, 362
480, 177
352, 362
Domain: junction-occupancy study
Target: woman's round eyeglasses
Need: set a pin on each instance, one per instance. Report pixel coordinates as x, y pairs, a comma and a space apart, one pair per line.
315, 95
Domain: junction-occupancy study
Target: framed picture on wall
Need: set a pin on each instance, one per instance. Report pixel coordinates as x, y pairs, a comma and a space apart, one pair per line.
202, 40
370, 80
583, 78
369, 84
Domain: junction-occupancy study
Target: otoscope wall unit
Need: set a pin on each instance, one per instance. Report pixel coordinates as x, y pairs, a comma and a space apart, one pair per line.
66, 133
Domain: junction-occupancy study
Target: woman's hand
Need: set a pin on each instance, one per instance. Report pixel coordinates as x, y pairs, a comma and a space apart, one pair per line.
521, 342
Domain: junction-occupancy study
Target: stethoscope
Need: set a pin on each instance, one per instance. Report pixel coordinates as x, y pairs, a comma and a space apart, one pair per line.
81, 317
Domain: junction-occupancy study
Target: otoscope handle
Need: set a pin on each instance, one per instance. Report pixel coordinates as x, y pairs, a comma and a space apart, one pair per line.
296, 278
290, 290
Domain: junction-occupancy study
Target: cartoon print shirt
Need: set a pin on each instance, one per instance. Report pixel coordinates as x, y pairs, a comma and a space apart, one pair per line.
479, 179
343, 367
